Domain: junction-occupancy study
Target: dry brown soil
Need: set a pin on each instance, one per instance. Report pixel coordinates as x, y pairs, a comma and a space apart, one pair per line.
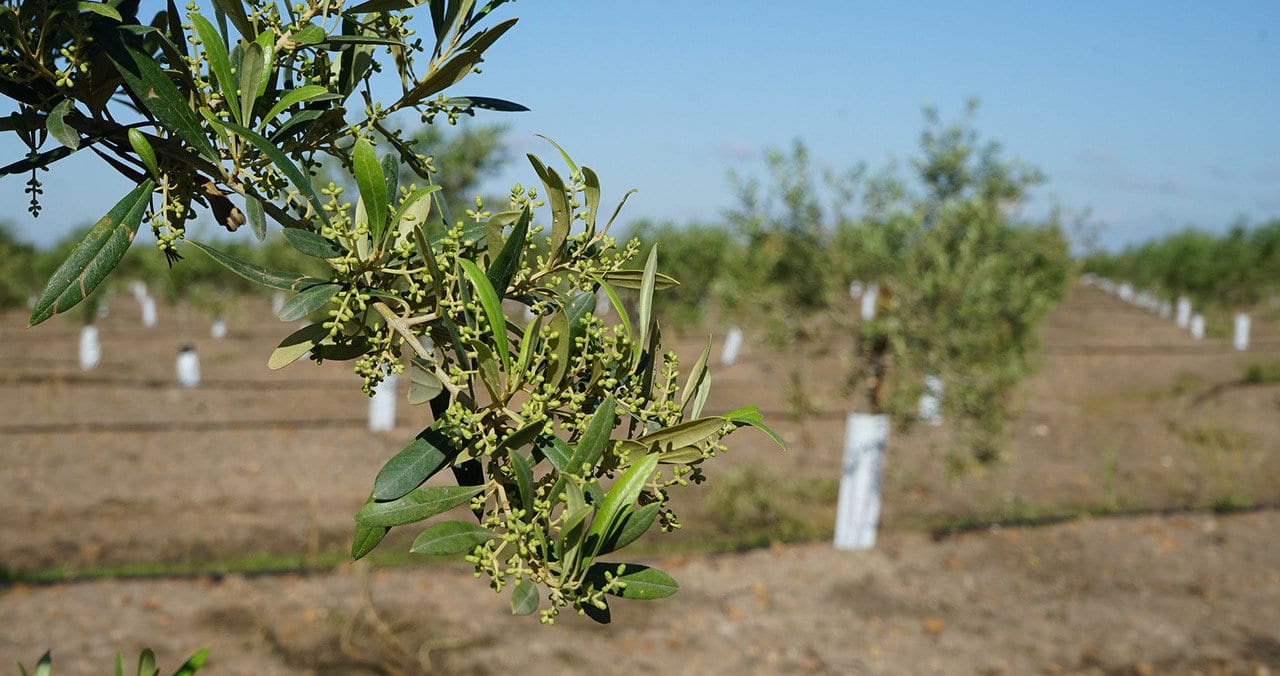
119, 466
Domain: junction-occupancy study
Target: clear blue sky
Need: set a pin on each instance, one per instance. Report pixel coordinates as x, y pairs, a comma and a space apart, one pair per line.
1153, 115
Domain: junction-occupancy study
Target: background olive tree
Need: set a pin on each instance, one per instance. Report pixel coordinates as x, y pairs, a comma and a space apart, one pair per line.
964, 280
564, 434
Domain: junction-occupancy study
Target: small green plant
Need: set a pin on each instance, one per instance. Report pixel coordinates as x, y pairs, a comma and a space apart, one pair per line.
752, 503
1260, 372
146, 664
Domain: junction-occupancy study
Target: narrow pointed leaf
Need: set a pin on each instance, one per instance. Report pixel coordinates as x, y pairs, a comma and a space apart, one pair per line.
636, 523
94, 257
252, 67
419, 461
618, 307
257, 219
234, 10
505, 264
310, 34
423, 384
591, 196
600, 615
561, 346
57, 125
147, 663
416, 505
275, 279
684, 434
524, 597
219, 63
193, 663
487, 103
594, 438
451, 537
524, 477
555, 195
144, 77
366, 537
307, 301
621, 496
642, 582
557, 452
457, 68
492, 309
297, 344
490, 375
634, 279
573, 166
311, 243
373, 188
697, 374
101, 9
142, 147
646, 295
293, 97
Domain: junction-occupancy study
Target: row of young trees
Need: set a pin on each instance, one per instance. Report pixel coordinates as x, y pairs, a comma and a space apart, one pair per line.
1235, 270
964, 280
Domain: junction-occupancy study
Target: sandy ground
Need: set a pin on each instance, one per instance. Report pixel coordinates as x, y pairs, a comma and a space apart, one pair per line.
119, 466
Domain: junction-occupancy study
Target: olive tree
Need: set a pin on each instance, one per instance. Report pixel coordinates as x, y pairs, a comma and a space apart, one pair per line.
564, 434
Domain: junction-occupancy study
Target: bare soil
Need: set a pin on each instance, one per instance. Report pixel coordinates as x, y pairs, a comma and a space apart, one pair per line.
1127, 414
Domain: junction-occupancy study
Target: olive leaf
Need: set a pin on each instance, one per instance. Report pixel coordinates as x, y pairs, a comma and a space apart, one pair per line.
93, 258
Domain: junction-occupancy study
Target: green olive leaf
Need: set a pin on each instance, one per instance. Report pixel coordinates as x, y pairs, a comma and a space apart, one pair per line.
492, 306
297, 344
416, 505
307, 301
621, 496
524, 597
427, 454
451, 537
94, 257
373, 188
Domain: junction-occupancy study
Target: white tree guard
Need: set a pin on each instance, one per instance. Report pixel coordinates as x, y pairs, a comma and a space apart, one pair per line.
382, 405
732, 345
187, 367
1166, 309
138, 289
931, 401
858, 507
218, 329
148, 311
90, 348
1126, 292
1240, 339
869, 298
1182, 318
1197, 326
855, 290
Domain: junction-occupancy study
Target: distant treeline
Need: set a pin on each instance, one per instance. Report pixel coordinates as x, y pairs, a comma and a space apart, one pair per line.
196, 279
1238, 269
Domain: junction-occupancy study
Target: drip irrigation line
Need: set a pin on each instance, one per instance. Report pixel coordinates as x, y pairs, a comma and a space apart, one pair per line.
183, 426
167, 382
1203, 350
944, 532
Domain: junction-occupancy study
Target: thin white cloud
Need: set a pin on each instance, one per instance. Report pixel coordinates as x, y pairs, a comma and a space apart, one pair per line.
735, 149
